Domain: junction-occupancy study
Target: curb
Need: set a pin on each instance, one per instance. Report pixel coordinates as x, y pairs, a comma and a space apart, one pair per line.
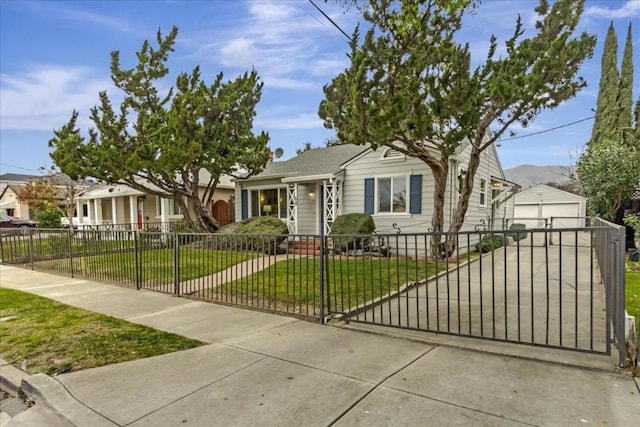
46, 390
10, 378
55, 406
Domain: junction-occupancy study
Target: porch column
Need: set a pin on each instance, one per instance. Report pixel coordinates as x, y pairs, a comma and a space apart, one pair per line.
331, 198
133, 212
164, 214
78, 213
114, 212
90, 212
292, 208
97, 206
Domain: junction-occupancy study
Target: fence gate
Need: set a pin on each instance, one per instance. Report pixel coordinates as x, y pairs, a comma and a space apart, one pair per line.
534, 290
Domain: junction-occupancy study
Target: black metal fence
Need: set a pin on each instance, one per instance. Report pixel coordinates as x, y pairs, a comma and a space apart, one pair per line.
498, 285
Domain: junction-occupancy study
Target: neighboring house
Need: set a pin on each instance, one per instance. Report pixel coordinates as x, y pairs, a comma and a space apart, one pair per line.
118, 204
11, 184
308, 191
536, 206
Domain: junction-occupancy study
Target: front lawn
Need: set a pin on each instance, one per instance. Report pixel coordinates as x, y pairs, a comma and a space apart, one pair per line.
155, 265
54, 338
632, 290
295, 283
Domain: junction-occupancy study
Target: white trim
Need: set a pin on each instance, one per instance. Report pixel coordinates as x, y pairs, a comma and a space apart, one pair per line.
376, 193
480, 191
390, 155
307, 178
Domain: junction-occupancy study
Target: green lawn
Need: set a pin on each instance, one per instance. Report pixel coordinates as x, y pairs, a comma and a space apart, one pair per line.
632, 295
48, 244
54, 337
296, 283
156, 265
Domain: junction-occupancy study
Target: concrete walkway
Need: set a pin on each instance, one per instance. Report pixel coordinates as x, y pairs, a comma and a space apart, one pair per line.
262, 369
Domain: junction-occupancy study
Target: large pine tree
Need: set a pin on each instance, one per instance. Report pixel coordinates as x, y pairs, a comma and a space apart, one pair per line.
607, 108
625, 91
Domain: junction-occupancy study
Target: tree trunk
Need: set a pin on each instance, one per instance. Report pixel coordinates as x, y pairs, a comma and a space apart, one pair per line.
437, 219
202, 220
463, 201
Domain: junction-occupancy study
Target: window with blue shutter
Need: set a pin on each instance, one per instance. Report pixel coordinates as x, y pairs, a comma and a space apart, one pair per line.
369, 196
244, 200
415, 194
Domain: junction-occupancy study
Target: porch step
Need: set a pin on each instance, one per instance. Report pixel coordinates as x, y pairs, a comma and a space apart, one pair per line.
306, 247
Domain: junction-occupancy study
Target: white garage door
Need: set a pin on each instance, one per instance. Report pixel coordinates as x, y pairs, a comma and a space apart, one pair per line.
528, 215
565, 214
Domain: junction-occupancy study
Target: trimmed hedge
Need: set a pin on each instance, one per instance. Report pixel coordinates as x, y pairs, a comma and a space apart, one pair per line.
352, 223
489, 243
263, 234
513, 231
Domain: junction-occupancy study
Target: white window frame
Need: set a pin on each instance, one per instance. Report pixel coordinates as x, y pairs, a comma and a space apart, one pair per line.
173, 207
483, 193
377, 195
282, 192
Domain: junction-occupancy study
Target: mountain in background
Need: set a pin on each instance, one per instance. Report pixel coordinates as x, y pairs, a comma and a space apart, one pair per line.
530, 175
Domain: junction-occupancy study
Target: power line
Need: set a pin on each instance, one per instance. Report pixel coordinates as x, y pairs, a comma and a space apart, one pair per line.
18, 167
331, 20
547, 130
322, 23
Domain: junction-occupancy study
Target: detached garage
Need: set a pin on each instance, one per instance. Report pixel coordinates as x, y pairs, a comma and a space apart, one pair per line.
540, 202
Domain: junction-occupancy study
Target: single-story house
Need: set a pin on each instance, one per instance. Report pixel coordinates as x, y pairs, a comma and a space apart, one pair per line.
538, 205
12, 184
311, 189
124, 207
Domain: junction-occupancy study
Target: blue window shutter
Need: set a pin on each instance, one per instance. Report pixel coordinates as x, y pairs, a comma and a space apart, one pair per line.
415, 194
368, 195
244, 200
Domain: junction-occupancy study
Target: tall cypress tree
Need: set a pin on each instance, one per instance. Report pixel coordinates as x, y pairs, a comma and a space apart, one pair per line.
606, 121
625, 91
636, 129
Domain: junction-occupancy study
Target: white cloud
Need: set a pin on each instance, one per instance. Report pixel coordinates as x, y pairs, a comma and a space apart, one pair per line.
300, 121
630, 9
286, 45
63, 11
44, 99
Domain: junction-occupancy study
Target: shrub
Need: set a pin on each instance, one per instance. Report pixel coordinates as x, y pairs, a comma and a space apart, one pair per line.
352, 223
515, 234
49, 218
262, 234
489, 243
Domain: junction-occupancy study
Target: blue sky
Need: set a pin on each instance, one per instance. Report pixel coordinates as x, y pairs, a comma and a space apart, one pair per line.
54, 57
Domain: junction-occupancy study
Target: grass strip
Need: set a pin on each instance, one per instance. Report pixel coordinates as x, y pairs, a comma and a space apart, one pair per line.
54, 338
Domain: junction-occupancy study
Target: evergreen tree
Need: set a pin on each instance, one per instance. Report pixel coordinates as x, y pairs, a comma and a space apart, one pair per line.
413, 87
165, 144
625, 91
606, 111
636, 129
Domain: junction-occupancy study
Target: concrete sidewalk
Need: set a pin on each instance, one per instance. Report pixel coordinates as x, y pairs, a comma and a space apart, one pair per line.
272, 370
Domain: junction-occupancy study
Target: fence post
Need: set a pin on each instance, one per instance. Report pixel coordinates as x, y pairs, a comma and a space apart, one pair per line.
69, 235
135, 258
31, 248
323, 248
620, 321
176, 265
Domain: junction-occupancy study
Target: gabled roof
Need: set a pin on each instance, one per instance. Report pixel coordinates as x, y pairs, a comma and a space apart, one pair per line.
314, 162
18, 177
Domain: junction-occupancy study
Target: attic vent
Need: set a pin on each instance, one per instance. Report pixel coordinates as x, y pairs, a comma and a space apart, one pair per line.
390, 154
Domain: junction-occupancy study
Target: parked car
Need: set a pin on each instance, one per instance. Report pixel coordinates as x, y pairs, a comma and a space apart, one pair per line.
10, 224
